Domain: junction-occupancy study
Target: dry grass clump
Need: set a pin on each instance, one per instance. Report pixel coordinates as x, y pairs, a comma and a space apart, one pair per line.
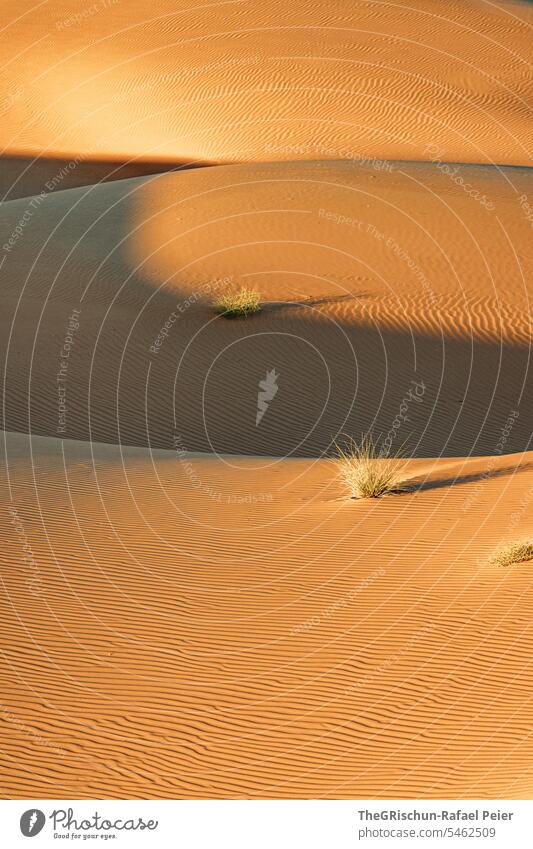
241, 303
513, 552
366, 472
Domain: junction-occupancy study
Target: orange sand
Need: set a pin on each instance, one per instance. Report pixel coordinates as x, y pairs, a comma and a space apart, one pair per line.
192, 607
169, 642
238, 80
371, 280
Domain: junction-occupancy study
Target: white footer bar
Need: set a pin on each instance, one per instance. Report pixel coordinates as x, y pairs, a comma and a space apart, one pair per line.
241, 824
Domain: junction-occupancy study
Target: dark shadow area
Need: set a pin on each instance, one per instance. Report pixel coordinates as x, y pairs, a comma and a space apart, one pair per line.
273, 306
199, 389
459, 480
23, 176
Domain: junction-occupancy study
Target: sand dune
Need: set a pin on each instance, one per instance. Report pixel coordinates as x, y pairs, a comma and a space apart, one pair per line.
192, 607
23, 176
194, 626
373, 282
239, 81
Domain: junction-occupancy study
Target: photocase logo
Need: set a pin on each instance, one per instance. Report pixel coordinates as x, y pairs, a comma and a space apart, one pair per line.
267, 391
32, 822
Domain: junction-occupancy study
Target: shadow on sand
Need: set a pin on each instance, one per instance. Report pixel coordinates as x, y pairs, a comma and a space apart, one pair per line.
416, 485
336, 374
23, 176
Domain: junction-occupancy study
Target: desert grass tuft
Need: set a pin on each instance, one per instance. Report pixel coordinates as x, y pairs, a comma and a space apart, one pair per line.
236, 304
513, 552
366, 472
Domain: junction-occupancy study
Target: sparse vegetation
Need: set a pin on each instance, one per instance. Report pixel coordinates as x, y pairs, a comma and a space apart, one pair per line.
366, 472
513, 552
241, 303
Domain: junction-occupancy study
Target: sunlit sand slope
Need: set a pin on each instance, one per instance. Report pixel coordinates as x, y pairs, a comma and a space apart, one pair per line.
201, 627
374, 282
240, 80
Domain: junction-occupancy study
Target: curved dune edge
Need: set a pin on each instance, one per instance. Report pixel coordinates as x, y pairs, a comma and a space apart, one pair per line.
191, 606
303, 645
373, 282
26, 175
234, 81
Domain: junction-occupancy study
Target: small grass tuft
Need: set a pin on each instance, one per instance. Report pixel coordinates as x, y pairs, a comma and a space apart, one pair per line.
241, 303
366, 472
513, 552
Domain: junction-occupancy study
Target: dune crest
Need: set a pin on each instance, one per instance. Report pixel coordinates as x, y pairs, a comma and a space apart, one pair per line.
373, 654
192, 604
242, 81
369, 281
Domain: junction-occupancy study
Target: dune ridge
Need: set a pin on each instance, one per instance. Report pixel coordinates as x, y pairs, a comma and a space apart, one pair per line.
238, 81
366, 663
369, 284
192, 607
